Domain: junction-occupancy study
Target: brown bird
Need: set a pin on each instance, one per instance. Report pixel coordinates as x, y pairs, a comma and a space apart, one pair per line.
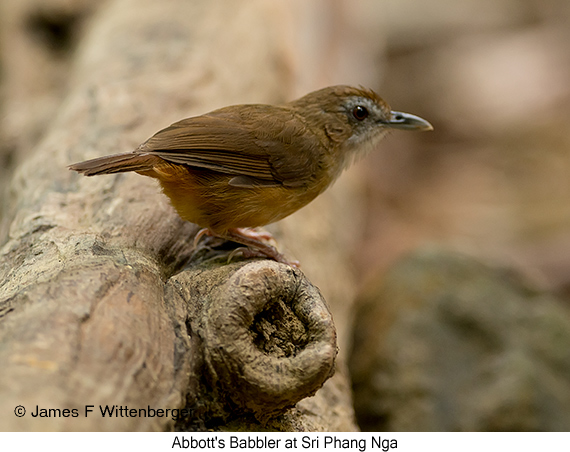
246, 166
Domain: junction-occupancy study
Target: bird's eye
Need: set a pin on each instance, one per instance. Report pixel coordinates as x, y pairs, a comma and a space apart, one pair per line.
360, 113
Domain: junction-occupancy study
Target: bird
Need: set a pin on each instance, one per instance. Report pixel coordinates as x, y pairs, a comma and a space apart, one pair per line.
241, 167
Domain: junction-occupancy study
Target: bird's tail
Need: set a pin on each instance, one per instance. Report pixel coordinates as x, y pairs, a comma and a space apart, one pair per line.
118, 163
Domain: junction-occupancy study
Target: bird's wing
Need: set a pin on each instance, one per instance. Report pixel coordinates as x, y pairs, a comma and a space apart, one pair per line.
259, 144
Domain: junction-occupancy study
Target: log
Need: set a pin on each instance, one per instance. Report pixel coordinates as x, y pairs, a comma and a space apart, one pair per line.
104, 303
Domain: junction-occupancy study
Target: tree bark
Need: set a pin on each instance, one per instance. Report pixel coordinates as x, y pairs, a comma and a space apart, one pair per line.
103, 301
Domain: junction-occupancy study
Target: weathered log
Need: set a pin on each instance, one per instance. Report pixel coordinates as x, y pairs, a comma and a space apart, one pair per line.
98, 306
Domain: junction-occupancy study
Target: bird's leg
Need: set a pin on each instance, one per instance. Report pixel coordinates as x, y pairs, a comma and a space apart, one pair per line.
253, 241
255, 246
253, 234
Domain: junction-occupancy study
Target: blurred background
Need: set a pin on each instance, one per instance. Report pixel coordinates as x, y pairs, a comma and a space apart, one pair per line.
491, 182
492, 76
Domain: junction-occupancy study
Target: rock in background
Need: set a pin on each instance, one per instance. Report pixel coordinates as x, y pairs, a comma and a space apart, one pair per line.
445, 343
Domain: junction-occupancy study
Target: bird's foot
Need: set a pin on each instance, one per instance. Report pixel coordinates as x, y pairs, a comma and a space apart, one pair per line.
254, 241
256, 247
254, 234
201, 233
250, 252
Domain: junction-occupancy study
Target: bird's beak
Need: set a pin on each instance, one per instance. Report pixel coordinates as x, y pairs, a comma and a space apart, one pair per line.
407, 121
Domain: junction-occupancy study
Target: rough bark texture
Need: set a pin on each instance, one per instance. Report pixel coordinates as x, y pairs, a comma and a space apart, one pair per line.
95, 307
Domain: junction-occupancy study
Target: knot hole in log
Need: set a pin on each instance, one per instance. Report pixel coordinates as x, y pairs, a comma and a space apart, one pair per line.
267, 336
